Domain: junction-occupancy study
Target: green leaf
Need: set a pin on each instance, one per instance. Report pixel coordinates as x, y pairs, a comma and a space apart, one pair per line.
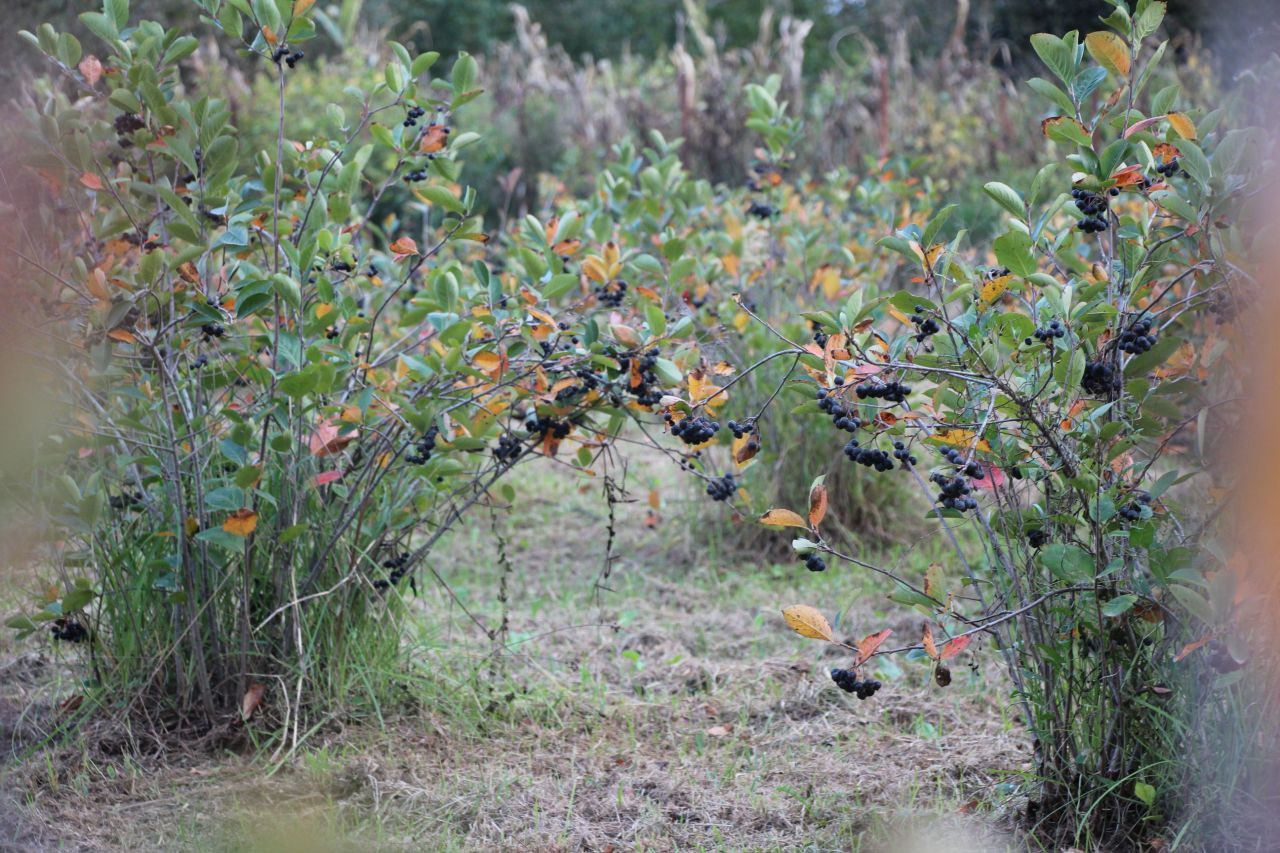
1007, 197
1119, 605
1145, 792
1057, 54
1067, 563
1013, 250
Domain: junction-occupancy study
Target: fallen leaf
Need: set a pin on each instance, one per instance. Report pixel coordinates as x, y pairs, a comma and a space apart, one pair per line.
252, 699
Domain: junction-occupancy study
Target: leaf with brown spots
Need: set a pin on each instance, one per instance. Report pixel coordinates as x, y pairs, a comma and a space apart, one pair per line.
870, 644
783, 518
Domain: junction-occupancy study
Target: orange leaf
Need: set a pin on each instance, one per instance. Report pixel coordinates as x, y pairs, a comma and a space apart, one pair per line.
325, 478
1191, 647
434, 138
930, 648
123, 335
269, 35
242, 522
955, 646
783, 518
91, 69
817, 504
404, 247
92, 181
301, 6
868, 645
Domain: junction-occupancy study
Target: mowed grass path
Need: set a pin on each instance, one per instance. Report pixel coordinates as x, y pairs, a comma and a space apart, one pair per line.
665, 707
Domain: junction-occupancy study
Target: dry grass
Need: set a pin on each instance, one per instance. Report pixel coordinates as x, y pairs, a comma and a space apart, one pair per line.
671, 711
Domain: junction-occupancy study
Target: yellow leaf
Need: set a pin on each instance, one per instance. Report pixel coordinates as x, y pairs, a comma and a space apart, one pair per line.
322, 309
594, 269
740, 320
242, 522
993, 290
784, 518
959, 438
730, 264
1182, 125
933, 580
807, 622
1110, 51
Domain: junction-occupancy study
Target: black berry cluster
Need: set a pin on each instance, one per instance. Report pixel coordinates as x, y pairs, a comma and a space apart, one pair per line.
1091, 204
412, 116
847, 680
612, 293
415, 176
399, 564
903, 455
722, 488
1132, 511
212, 330
1037, 537
841, 415
1046, 334
953, 492
69, 631
542, 426
925, 326
894, 392
423, 447
290, 59
647, 392
695, 430
1168, 169
508, 450
868, 456
739, 429
955, 457
761, 211
819, 336
1137, 338
815, 563
127, 123
1100, 379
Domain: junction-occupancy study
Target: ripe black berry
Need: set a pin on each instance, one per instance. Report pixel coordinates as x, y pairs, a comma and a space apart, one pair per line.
1100, 379
894, 392
695, 430
422, 448
847, 680
1137, 338
815, 563
1037, 537
1048, 333
722, 488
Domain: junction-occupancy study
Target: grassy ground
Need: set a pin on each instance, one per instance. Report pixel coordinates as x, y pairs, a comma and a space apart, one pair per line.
665, 707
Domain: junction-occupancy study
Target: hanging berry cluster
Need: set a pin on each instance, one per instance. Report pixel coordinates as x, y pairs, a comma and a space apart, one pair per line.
1137, 338
423, 447
1091, 204
841, 415
722, 488
398, 565
894, 392
695, 430
847, 680
1047, 334
1100, 379
925, 326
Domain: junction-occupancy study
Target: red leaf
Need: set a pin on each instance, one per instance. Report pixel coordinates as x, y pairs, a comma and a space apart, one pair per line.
92, 181
868, 645
990, 481
325, 478
403, 248
955, 646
